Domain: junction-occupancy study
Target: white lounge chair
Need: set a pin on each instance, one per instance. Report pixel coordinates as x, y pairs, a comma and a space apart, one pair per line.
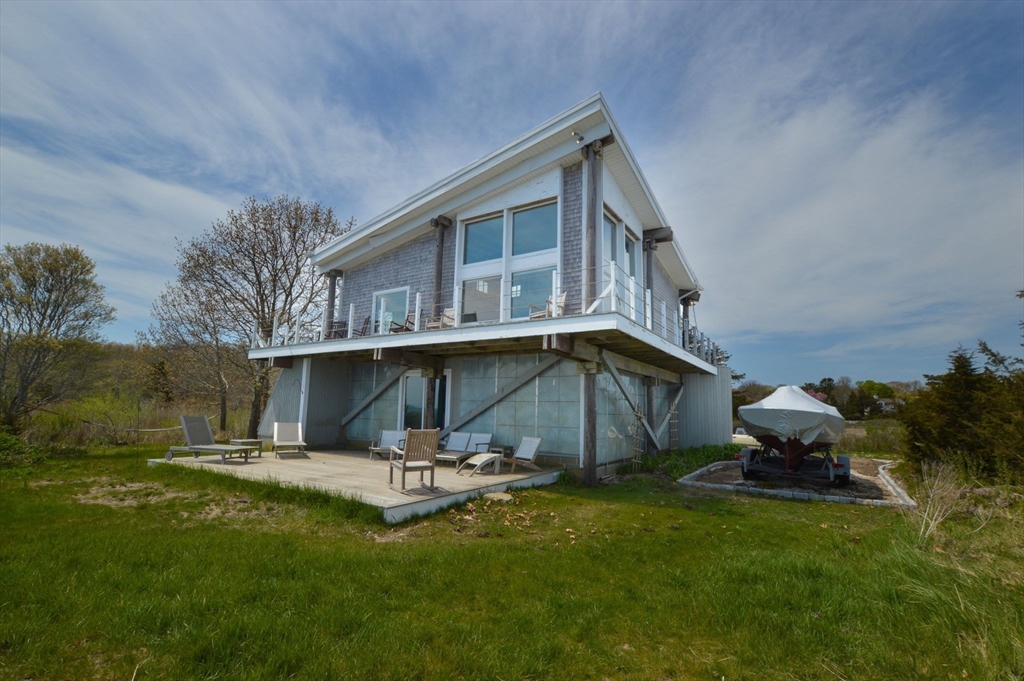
524, 455
288, 438
388, 439
199, 440
418, 455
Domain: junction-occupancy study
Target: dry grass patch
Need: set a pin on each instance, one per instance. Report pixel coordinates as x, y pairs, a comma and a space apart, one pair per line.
130, 494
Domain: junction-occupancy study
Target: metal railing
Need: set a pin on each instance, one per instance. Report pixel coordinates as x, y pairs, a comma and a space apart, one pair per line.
491, 300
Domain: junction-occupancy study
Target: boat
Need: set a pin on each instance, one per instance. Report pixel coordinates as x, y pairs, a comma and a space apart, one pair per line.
796, 426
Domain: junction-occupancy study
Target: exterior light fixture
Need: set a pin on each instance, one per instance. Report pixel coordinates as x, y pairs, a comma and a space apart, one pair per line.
579, 137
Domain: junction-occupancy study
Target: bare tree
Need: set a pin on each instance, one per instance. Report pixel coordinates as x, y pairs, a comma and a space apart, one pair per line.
241, 276
51, 309
197, 355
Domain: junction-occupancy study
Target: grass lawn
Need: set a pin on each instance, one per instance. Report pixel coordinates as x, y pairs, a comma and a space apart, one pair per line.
110, 568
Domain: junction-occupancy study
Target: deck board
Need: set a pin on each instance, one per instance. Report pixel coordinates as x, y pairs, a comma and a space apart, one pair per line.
352, 474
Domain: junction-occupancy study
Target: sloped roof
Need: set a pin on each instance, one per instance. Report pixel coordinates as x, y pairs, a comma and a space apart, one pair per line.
547, 146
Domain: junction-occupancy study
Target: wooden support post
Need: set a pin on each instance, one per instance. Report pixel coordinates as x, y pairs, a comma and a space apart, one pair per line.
625, 392
428, 401
667, 418
351, 318
332, 286
439, 224
589, 379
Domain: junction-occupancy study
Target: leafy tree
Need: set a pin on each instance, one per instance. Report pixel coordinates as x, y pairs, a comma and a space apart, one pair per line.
749, 392
235, 281
876, 390
51, 310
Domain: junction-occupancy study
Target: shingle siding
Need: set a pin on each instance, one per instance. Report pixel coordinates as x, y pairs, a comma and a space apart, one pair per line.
572, 236
411, 264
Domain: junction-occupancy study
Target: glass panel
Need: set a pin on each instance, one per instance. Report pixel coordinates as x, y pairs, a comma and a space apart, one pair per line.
413, 412
532, 287
395, 304
483, 240
440, 402
481, 300
608, 241
535, 229
630, 264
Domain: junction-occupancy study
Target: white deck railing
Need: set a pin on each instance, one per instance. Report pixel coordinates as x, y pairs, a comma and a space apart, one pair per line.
503, 300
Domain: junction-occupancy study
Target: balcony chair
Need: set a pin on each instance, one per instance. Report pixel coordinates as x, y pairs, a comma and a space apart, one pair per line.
418, 455
545, 311
445, 321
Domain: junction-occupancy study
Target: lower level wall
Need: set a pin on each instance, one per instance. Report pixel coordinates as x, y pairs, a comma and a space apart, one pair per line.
546, 406
705, 410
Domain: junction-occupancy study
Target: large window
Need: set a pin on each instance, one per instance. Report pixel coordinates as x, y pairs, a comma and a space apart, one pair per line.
483, 240
532, 287
481, 300
395, 307
535, 229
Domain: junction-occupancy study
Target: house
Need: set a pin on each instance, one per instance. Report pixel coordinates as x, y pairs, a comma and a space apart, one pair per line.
538, 291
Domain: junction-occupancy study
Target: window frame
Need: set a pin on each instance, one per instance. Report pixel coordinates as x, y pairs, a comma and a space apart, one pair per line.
504, 267
376, 307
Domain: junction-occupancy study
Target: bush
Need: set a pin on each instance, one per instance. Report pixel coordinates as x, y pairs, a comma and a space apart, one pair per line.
679, 462
15, 452
971, 418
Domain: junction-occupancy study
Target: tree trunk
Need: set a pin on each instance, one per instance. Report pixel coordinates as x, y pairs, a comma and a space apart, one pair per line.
259, 398
223, 404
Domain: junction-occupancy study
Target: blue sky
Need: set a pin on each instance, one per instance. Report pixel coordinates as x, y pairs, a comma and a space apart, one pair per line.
847, 179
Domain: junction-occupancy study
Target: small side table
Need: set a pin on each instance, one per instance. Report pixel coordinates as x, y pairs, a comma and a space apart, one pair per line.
258, 444
505, 451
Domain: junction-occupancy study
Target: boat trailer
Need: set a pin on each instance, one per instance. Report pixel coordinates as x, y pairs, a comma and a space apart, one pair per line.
809, 461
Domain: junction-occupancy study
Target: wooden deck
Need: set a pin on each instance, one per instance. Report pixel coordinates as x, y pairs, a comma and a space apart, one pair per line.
353, 474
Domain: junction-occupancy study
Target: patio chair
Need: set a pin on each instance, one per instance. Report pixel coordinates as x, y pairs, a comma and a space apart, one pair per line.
388, 439
545, 311
524, 455
418, 455
456, 448
445, 321
199, 440
287, 438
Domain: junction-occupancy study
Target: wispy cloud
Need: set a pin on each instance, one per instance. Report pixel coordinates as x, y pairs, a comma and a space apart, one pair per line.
830, 169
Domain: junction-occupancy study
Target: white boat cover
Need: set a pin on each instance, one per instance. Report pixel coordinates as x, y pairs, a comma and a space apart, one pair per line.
790, 413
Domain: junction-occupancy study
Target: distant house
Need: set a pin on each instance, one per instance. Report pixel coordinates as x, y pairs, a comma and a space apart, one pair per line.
538, 291
887, 405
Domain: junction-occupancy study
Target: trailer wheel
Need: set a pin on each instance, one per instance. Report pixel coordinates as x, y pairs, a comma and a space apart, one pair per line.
842, 480
751, 475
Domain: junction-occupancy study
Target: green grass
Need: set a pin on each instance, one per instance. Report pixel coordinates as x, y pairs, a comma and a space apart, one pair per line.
196, 575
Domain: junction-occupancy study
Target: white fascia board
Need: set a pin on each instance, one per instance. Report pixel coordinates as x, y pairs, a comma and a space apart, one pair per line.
363, 245
609, 321
591, 105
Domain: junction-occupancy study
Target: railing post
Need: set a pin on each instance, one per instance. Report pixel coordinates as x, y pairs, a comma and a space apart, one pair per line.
685, 329
323, 325
632, 298
416, 316
648, 312
664, 321
615, 284
273, 333
505, 293
554, 293
351, 318
380, 324
457, 304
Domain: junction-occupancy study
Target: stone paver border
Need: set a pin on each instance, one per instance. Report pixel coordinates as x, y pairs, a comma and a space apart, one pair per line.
904, 500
